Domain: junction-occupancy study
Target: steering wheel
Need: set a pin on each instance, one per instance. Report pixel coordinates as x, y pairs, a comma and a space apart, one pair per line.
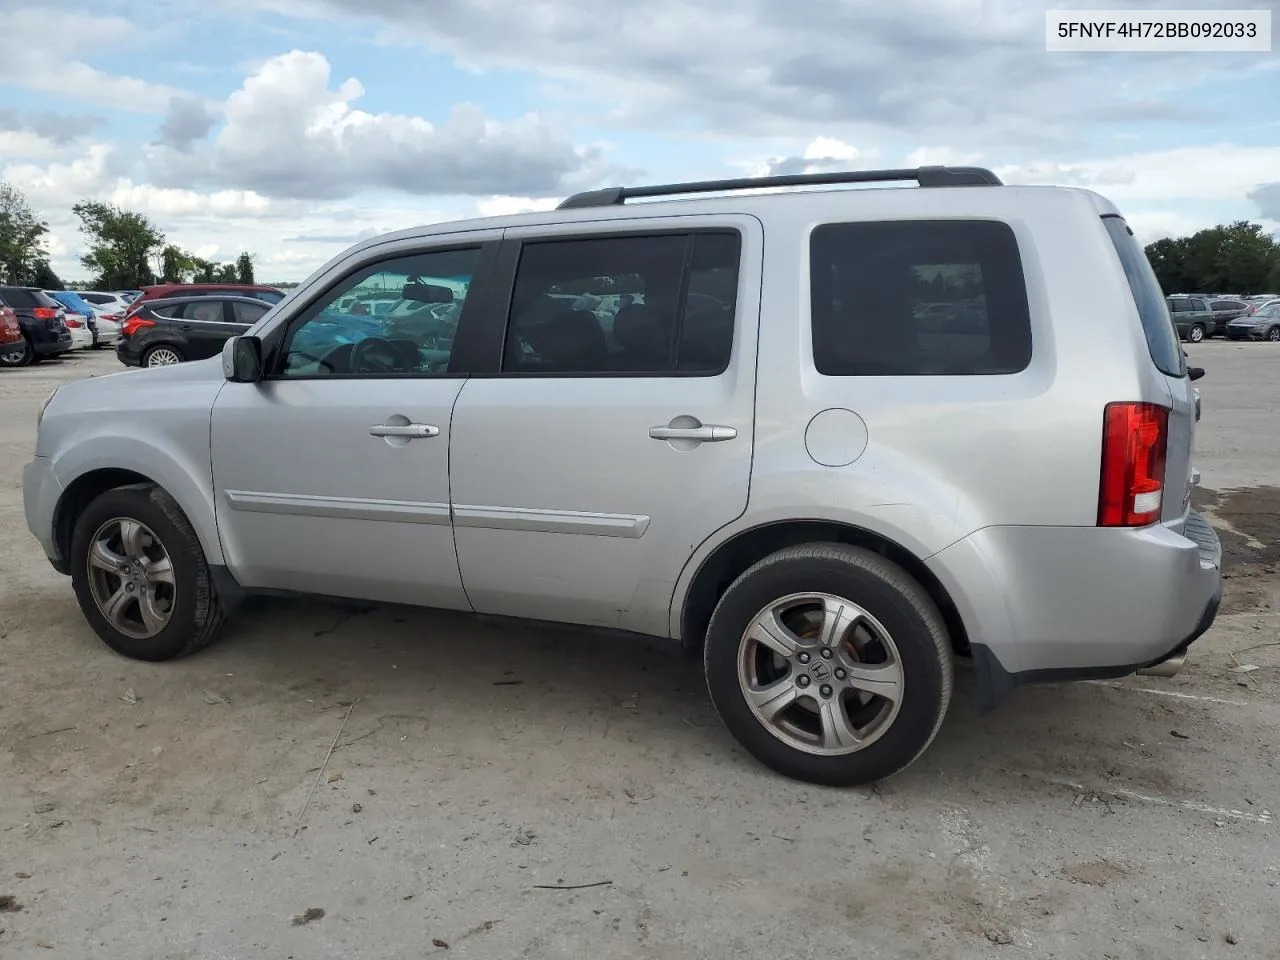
373, 355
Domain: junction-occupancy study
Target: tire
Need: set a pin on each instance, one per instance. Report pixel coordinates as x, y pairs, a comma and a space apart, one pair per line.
152, 357
1273, 335
896, 605
1196, 333
23, 359
194, 614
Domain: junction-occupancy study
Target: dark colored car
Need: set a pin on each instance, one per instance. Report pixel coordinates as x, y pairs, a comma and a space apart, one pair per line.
42, 321
168, 291
1224, 311
177, 329
1262, 324
11, 342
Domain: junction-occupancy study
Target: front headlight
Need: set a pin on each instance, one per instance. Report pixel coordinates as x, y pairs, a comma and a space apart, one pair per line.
44, 406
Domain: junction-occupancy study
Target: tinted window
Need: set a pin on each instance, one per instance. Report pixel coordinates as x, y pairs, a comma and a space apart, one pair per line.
19, 297
1157, 325
269, 296
1177, 306
1223, 306
248, 312
918, 298
204, 311
624, 305
1196, 306
169, 310
101, 299
424, 295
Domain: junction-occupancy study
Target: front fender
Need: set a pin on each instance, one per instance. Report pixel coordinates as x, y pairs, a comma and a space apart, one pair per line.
185, 476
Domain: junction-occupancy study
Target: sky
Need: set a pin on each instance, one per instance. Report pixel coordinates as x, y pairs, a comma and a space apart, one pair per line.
293, 128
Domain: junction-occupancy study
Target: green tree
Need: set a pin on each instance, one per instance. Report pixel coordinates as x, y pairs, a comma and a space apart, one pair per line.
121, 245
203, 271
1246, 256
22, 253
177, 266
45, 277
244, 268
1237, 258
226, 273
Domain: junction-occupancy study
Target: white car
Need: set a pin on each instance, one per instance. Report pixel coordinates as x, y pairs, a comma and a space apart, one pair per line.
108, 310
81, 335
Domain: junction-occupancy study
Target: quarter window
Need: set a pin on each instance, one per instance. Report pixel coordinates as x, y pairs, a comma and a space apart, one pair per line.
918, 298
615, 306
392, 318
205, 311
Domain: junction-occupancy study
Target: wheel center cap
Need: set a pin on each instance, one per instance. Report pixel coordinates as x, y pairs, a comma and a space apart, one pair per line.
819, 670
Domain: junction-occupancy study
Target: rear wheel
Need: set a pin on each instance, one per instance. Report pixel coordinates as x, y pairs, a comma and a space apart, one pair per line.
1196, 333
140, 575
829, 664
162, 356
19, 359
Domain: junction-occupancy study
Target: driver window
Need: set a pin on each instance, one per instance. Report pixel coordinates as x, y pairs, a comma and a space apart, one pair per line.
391, 318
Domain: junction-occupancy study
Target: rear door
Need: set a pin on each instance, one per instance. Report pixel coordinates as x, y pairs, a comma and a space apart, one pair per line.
206, 325
608, 445
1170, 360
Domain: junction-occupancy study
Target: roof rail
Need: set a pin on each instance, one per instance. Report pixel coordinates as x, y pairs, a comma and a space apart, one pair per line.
924, 176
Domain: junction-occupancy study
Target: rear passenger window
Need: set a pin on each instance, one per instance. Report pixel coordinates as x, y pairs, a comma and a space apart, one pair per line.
918, 298
247, 312
658, 305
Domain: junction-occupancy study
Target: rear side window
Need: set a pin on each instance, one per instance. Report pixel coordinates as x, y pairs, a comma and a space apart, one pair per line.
18, 297
918, 298
1157, 325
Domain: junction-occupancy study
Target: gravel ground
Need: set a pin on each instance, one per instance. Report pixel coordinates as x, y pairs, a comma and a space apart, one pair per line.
150, 811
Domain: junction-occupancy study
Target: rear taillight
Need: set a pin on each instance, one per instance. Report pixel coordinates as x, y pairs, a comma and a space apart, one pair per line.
1135, 437
134, 324
73, 322
113, 317
44, 313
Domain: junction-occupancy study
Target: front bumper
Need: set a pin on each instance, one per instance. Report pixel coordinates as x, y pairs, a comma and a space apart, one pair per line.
41, 492
1046, 604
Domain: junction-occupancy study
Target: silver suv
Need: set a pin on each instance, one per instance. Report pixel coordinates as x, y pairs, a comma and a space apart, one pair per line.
830, 440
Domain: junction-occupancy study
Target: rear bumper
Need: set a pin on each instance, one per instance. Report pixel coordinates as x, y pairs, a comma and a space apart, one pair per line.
1044, 604
51, 348
127, 353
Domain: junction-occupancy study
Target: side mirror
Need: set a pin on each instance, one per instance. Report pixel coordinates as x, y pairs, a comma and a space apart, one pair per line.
1195, 373
242, 359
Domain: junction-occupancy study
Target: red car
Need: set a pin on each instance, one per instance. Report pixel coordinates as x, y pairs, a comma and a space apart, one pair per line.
160, 291
11, 344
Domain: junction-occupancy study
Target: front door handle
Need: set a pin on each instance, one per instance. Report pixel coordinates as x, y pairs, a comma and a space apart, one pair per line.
411, 431
704, 433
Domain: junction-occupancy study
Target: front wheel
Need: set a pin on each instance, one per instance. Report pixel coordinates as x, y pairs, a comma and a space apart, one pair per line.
140, 575
1274, 334
829, 664
1196, 334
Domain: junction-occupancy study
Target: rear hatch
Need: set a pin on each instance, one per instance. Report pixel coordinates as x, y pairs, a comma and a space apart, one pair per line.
1167, 355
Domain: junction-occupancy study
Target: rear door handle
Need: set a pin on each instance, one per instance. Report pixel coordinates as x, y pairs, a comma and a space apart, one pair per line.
412, 431
705, 433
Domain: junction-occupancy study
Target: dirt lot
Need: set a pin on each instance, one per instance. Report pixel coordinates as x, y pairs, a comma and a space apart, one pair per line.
149, 811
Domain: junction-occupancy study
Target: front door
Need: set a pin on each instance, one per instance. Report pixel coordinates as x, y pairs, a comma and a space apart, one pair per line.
332, 473
618, 433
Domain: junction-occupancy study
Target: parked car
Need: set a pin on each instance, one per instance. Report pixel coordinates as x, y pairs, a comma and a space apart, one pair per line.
1264, 324
111, 303
11, 342
81, 318
824, 502
1224, 311
1191, 316
163, 332
1254, 304
42, 321
168, 291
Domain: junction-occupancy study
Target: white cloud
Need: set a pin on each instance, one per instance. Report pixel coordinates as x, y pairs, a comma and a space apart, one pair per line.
288, 133
39, 50
505, 206
25, 144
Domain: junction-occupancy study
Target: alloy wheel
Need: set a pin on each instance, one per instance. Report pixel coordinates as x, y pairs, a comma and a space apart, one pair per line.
820, 673
131, 578
162, 357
